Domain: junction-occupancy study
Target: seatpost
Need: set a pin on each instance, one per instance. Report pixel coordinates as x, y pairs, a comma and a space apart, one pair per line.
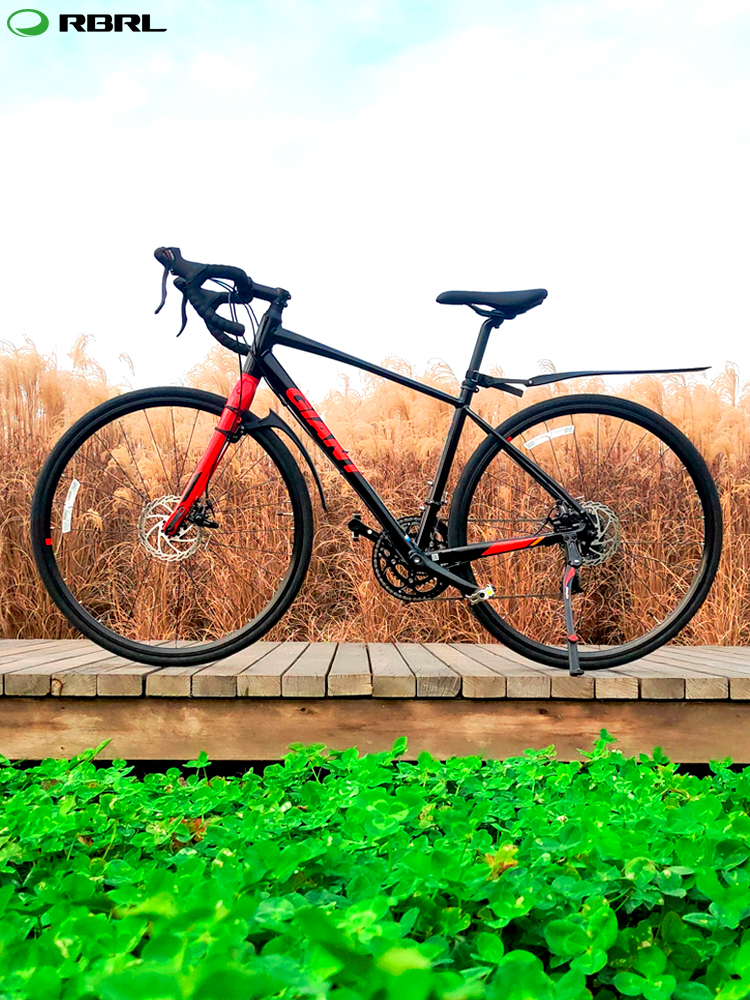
469, 387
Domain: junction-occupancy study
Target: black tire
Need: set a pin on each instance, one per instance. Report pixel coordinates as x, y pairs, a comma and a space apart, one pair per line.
646, 472
113, 574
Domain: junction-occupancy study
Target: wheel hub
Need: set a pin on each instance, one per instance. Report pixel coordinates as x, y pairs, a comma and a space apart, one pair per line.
184, 544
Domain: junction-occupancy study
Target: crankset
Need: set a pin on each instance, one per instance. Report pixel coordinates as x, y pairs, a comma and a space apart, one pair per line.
396, 575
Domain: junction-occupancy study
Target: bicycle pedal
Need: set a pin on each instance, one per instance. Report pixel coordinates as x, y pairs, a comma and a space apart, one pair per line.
358, 528
483, 594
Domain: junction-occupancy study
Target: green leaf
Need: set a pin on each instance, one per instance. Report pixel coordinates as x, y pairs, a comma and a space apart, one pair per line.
396, 961
692, 991
201, 760
521, 977
489, 947
660, 988
651, 962
630, 984
138, 983
571, 986
566, 938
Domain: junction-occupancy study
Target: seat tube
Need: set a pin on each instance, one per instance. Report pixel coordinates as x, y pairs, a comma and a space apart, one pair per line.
434, 501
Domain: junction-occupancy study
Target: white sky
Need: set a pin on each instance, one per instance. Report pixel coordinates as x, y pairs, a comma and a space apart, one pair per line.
369, 154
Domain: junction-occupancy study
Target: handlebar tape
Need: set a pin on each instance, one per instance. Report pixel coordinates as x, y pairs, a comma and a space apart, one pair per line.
190, 277
205, 302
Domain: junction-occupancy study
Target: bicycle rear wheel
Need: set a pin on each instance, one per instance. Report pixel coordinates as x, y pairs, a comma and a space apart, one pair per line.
100, 502
660, 525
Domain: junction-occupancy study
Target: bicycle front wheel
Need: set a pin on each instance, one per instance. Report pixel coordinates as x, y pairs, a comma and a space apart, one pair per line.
659, 525
103, 496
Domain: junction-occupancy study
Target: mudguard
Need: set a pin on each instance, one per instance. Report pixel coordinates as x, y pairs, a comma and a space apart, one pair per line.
273, 420
509, 384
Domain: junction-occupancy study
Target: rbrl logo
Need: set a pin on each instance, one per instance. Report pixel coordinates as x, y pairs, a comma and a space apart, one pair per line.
29, 22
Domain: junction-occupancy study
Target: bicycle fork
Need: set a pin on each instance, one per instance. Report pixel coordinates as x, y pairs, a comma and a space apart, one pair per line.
239, 400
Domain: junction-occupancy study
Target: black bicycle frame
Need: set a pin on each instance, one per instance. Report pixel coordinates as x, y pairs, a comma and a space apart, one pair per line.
261, 362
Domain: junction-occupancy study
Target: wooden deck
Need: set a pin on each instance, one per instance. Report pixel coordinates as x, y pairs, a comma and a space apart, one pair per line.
60, 697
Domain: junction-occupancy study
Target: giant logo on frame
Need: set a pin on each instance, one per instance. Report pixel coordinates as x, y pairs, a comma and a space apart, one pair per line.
310, 415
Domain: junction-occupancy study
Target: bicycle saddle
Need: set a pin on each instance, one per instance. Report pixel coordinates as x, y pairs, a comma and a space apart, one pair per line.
510, 304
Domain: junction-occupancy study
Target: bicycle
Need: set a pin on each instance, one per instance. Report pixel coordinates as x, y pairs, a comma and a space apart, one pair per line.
174, 527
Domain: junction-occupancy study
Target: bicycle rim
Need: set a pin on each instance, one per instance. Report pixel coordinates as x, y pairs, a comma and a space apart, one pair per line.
659, 520
110, 484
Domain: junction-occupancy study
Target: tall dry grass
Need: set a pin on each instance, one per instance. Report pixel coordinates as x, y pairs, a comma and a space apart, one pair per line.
395, 436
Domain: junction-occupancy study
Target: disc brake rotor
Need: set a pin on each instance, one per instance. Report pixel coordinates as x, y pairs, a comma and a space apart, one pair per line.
169, 549
607, 534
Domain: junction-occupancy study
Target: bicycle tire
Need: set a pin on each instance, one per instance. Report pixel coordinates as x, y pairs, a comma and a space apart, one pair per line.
119, 580
661, 570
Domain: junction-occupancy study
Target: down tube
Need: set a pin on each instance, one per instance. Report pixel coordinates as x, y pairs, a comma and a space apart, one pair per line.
291, 396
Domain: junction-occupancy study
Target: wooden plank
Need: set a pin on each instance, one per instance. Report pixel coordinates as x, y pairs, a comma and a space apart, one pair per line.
306, 677
391, 676
126, 681
170, 682
612, 683
698, 685
434, 679
81, 681
477, 680
10, 647
219, 679
734, 663
522, 680
350, 675
656, 682
730, 662
36, 678
263, 679
43, 655
262, 728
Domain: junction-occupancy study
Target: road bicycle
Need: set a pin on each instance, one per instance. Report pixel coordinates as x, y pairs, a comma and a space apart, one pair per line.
175, 527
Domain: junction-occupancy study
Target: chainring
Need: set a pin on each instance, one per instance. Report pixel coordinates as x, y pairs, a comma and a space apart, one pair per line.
397, 576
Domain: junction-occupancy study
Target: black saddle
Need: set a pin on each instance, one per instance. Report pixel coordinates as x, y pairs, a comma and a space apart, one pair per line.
509, 304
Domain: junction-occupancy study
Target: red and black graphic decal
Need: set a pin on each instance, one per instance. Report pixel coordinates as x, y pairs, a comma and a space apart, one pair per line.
314, 420
513, 545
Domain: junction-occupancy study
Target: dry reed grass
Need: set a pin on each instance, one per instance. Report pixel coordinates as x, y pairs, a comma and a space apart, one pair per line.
395, 436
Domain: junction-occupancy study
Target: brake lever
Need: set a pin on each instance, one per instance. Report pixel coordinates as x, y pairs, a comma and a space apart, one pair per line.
163, 290
183, 313
183, 310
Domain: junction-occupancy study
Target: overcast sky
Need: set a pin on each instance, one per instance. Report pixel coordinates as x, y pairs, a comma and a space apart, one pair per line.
369, 155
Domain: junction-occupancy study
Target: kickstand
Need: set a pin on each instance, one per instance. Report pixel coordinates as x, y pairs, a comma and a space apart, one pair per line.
569, 580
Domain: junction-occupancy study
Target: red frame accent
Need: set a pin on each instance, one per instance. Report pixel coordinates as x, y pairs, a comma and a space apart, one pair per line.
513, 544
239, 400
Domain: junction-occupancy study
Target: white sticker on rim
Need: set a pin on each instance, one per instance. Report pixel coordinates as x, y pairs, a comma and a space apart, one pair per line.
548, 435
70, 499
